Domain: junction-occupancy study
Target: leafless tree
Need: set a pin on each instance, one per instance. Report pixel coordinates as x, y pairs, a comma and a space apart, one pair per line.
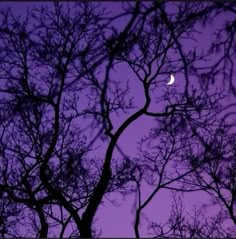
41, 147
190, 225
60, 101
217, 177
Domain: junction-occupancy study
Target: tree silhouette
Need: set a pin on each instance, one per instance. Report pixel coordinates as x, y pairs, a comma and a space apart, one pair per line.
191, 225
217, 177
64, 98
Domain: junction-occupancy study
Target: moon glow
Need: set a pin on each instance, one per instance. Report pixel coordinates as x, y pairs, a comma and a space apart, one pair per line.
172, 80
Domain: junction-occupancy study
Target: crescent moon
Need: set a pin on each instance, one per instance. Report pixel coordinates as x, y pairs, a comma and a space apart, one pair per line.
172, 80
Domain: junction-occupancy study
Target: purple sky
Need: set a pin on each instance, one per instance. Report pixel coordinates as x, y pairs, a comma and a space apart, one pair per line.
118, 221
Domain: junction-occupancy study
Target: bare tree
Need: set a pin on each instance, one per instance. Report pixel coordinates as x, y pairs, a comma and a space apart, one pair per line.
190, 225
40, 143
221, 68
60, 101
217, 177
46, 64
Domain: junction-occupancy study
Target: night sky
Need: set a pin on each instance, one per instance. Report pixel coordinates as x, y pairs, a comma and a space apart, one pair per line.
197, 121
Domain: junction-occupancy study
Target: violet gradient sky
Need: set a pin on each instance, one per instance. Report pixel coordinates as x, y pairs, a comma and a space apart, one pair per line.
118, 221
